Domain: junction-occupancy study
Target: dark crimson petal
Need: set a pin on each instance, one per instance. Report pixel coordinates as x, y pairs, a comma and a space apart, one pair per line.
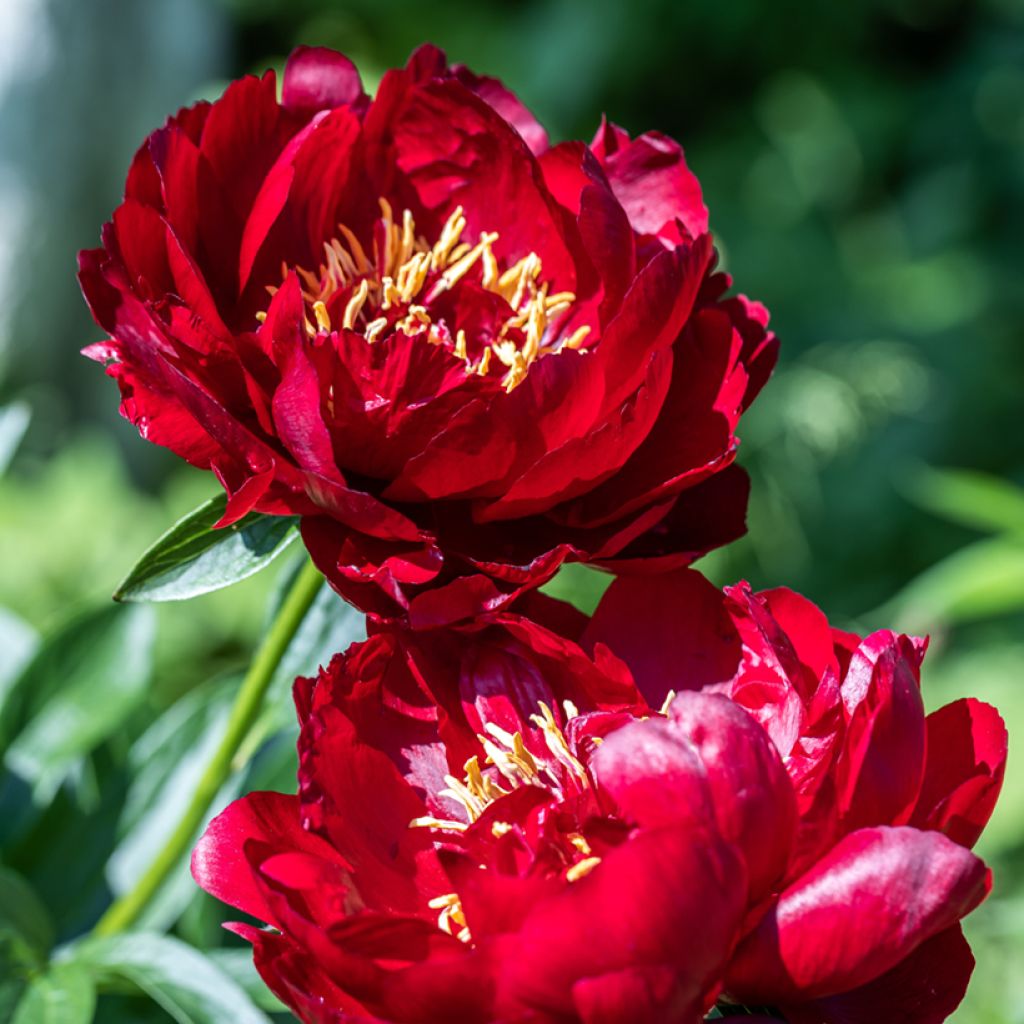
868, 903
220, 864
316, 78
672, 630
924, 988
709, 515
963, 771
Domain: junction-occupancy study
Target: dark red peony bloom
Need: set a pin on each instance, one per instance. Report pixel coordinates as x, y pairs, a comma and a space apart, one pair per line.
862, 925
462, 355
410, 882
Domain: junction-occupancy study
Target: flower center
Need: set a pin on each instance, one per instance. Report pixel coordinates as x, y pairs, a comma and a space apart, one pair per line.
507, 753
396, 287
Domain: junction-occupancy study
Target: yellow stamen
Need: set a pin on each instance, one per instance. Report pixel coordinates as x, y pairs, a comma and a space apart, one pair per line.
261, 316
444, 824
374, 328
323, 320
575, 340
403, 262
582, 869
355, 305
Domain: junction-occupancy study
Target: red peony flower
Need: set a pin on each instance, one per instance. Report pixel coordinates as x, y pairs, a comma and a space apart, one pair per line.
862, 926
462, 355
406, 884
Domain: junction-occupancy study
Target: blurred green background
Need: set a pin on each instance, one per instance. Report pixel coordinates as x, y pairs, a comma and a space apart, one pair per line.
864, 168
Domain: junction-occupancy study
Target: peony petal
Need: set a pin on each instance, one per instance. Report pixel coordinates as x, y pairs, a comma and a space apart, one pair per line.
963, 771
865, 906
924, 988
316, 78
220, 864
671, 629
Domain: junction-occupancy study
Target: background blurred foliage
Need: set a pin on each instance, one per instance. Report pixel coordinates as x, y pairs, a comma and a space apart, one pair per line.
864, 167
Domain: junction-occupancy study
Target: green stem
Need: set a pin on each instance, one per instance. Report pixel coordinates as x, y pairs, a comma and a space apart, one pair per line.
126, 910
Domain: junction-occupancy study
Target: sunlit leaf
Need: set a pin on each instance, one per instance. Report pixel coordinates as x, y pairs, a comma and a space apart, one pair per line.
63, 994
981, 580
968, 497
193, 558
186, 984
13, 424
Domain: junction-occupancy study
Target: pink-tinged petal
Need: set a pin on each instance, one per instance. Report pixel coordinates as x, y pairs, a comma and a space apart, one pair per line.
505, 102
753, 799
964, 770
652, 776
672, 630
881, 765
924, 988
865, 906
650, 178
316, 78
219, 861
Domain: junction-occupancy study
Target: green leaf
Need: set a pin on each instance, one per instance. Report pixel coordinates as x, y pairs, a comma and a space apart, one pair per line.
979, 581
193, 558
77, 691
973, 499
238, 964
13, 424
26, 931
187, 985
165, 764
64, 994
18, 641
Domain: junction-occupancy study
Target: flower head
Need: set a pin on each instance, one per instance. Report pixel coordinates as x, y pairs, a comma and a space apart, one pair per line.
461, 354
521, 884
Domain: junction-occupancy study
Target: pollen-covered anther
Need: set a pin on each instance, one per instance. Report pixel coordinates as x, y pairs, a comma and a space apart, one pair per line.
581, 869
391, 290
451, 916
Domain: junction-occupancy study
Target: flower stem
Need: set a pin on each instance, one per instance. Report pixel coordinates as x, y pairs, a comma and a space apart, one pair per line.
127, 909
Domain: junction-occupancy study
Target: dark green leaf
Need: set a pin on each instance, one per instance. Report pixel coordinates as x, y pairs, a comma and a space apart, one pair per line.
26, 931
77, 691
189, 986
13, 424
193, 558
64, 994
